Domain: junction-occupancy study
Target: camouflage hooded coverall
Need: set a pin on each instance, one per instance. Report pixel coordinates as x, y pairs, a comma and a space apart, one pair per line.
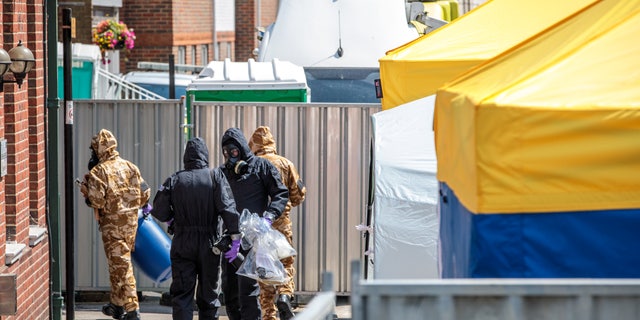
263, 145
115, 188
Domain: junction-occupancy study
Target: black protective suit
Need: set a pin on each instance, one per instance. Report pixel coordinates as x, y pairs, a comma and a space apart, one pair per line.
259, 189
194, 198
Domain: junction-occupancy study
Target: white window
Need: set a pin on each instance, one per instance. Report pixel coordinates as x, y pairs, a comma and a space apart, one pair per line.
182, 55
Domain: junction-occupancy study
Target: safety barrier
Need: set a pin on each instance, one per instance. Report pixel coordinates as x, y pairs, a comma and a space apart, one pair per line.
323, 305
450, 299
329, 143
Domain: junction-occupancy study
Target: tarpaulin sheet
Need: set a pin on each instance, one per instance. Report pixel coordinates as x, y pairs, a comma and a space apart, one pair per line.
578, 244
552, 124
405, 219
418, 68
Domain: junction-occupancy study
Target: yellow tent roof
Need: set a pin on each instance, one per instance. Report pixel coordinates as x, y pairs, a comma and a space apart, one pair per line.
420, 67
553, 124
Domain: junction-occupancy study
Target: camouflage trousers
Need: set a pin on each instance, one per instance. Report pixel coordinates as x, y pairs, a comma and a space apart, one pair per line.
118, 243
269, 293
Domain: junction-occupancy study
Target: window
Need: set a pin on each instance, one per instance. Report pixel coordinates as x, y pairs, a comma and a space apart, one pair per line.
205, 54
182, 55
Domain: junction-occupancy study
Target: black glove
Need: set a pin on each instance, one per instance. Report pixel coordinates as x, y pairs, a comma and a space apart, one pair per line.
170, 228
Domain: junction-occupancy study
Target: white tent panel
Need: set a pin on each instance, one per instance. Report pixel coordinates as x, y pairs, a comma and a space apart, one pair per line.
405, 216
353, 33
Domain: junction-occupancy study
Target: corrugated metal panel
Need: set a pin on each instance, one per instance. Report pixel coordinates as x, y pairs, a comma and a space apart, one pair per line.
149, 135
329, 144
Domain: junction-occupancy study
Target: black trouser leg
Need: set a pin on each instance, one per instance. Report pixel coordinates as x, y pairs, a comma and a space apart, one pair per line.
240, 294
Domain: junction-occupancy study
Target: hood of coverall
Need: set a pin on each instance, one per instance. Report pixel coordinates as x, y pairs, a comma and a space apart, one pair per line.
262, 141
196, 154
235, 136
105, 144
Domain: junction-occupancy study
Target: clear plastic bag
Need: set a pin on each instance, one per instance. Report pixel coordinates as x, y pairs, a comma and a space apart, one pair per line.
261, 264
268, 246
254, 228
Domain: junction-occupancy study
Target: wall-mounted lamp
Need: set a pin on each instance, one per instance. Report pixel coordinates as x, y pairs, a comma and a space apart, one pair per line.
19, 61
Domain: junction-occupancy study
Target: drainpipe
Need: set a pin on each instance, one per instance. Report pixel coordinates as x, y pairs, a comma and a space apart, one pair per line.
51, 158
69, 218
216, 54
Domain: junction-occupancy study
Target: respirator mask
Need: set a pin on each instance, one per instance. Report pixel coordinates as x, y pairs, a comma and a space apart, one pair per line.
94, 159
234, 163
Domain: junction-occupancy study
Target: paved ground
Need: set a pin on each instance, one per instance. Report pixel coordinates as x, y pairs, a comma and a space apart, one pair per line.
151, 309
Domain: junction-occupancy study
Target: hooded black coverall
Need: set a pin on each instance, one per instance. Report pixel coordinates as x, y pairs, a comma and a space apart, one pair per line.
195, 197
259, 190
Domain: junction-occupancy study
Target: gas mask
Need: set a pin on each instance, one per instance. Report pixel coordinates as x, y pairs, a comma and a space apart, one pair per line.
234, 162
94, 159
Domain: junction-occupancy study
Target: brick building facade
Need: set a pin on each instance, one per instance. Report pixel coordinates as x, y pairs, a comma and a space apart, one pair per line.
23, 188
186, 29
162, 27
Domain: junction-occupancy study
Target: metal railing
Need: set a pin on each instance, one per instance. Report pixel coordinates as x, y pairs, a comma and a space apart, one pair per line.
114, 87
475, 299
323, 305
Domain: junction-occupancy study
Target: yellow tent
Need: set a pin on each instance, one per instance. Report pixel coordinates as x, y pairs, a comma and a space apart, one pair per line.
553, 124
420, 67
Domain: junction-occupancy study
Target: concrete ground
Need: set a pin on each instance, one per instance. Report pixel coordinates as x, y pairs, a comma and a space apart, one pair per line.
151, 309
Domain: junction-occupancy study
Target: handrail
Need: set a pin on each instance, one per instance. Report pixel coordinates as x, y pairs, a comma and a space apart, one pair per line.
113, 87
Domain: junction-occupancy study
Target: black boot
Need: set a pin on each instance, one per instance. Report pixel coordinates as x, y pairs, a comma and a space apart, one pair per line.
284, 307
112, 310
132, 315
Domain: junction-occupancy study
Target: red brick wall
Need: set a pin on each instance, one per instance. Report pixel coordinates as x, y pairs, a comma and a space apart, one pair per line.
32, 271
163, 25
246, 23
193, 27
3, 221
226, 40
247, 15
152, 22
36, 114
268, 12
23, 189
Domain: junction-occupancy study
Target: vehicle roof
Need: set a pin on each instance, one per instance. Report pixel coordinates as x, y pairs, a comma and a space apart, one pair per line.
156, 77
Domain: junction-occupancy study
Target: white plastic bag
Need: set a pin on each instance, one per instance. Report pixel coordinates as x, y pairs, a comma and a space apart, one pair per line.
261, 264
268, 246
253, 227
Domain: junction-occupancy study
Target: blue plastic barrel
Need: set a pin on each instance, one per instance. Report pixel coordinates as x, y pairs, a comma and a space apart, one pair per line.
151, 254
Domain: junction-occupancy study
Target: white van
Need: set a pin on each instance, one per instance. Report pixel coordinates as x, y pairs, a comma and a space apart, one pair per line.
158, 82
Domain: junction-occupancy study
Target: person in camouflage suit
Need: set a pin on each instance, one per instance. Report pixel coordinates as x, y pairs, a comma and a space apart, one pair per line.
263, 145
115, 190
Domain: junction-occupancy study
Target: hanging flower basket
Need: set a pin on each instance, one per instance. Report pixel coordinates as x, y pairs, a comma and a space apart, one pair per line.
112, 35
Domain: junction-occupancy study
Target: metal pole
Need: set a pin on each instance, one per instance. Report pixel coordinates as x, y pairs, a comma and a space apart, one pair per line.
68, 164
172, 76
51, 158
214, 47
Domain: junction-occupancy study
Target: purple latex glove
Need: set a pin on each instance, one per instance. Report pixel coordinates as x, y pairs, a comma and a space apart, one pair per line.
233, 251
268, 217
147, 208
